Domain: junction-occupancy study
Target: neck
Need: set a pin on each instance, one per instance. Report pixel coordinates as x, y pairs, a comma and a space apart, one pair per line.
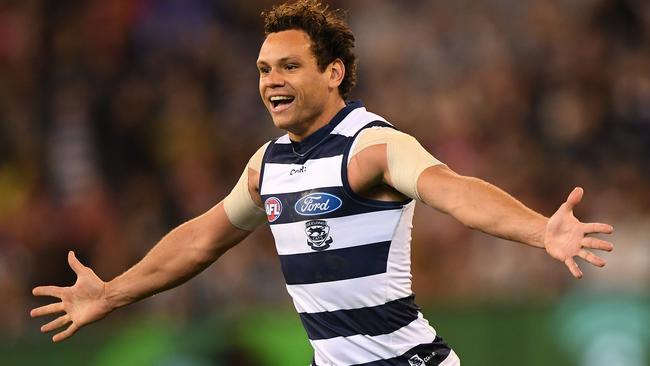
320, 121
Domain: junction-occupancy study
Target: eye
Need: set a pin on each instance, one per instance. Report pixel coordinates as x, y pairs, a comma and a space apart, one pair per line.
264, 70
290, 66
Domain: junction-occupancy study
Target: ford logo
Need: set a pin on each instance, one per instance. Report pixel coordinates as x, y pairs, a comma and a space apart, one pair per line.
317, 204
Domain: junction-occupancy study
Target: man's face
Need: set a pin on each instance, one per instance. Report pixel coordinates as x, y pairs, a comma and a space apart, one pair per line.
292, 87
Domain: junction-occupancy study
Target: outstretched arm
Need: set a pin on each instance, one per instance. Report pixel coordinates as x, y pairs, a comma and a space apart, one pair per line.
483, 206
179, 256
399, 161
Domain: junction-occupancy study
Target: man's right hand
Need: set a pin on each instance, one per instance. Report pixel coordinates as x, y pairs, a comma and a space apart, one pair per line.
81, 304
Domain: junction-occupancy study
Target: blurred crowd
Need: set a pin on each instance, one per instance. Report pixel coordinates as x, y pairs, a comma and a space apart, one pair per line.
121, 119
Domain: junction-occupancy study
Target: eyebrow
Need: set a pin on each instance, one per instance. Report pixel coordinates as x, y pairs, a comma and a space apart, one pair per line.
281, 61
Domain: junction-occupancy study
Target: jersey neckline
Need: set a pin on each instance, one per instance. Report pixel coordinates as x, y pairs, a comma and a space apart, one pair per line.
303, 147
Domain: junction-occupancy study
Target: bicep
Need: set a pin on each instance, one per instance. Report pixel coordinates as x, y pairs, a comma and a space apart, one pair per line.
217, 230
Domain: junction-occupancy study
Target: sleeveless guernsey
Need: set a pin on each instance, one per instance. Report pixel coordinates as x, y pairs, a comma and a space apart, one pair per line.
345, 258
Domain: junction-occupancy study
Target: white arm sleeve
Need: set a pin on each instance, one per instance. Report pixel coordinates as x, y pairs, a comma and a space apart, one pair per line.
239, 205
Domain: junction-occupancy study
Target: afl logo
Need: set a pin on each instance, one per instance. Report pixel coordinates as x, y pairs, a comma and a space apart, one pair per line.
317, 204
273, 208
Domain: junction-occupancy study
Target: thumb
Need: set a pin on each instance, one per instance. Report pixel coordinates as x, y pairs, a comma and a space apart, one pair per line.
74, 263
574, 198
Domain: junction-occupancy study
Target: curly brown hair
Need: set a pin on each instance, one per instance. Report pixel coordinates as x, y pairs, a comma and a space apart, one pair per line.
330, 35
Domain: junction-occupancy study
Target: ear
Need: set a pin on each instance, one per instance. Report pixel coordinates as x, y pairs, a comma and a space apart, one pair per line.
336, 73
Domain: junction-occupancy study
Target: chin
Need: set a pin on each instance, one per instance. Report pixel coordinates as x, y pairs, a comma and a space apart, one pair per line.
281, 122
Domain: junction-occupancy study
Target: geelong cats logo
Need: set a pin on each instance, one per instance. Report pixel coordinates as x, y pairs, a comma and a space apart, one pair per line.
318, 234
416, 361
317, 203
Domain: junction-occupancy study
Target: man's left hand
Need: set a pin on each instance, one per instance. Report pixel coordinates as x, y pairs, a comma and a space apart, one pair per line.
567, 237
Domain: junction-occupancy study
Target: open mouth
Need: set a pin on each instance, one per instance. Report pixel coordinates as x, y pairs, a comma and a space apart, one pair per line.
281, 100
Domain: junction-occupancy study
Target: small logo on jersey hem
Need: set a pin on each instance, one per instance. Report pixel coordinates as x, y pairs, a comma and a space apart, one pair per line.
318, 234
317, 203
273, 207
416, 360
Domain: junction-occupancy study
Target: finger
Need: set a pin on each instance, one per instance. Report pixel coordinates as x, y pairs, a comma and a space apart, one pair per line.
53, 291
56, 323
47, 309
65, 334
574, 198
74, 263
591, 258
573, 267
596, 227
595, 243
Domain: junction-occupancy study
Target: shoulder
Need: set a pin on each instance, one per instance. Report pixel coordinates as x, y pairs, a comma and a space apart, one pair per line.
380, 135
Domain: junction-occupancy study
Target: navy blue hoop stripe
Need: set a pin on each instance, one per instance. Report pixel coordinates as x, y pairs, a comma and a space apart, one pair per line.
372, 321
289, 213
335, 265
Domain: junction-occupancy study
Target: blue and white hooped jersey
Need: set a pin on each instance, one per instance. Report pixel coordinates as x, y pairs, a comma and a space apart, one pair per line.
345, 258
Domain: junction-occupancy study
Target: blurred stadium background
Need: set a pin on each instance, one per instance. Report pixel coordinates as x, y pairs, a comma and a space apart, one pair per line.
120, 119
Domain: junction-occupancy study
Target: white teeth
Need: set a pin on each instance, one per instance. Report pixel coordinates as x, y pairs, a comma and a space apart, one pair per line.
278, 98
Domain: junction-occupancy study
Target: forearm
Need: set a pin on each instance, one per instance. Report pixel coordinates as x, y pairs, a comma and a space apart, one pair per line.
485, 207
168, 264
179, 256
